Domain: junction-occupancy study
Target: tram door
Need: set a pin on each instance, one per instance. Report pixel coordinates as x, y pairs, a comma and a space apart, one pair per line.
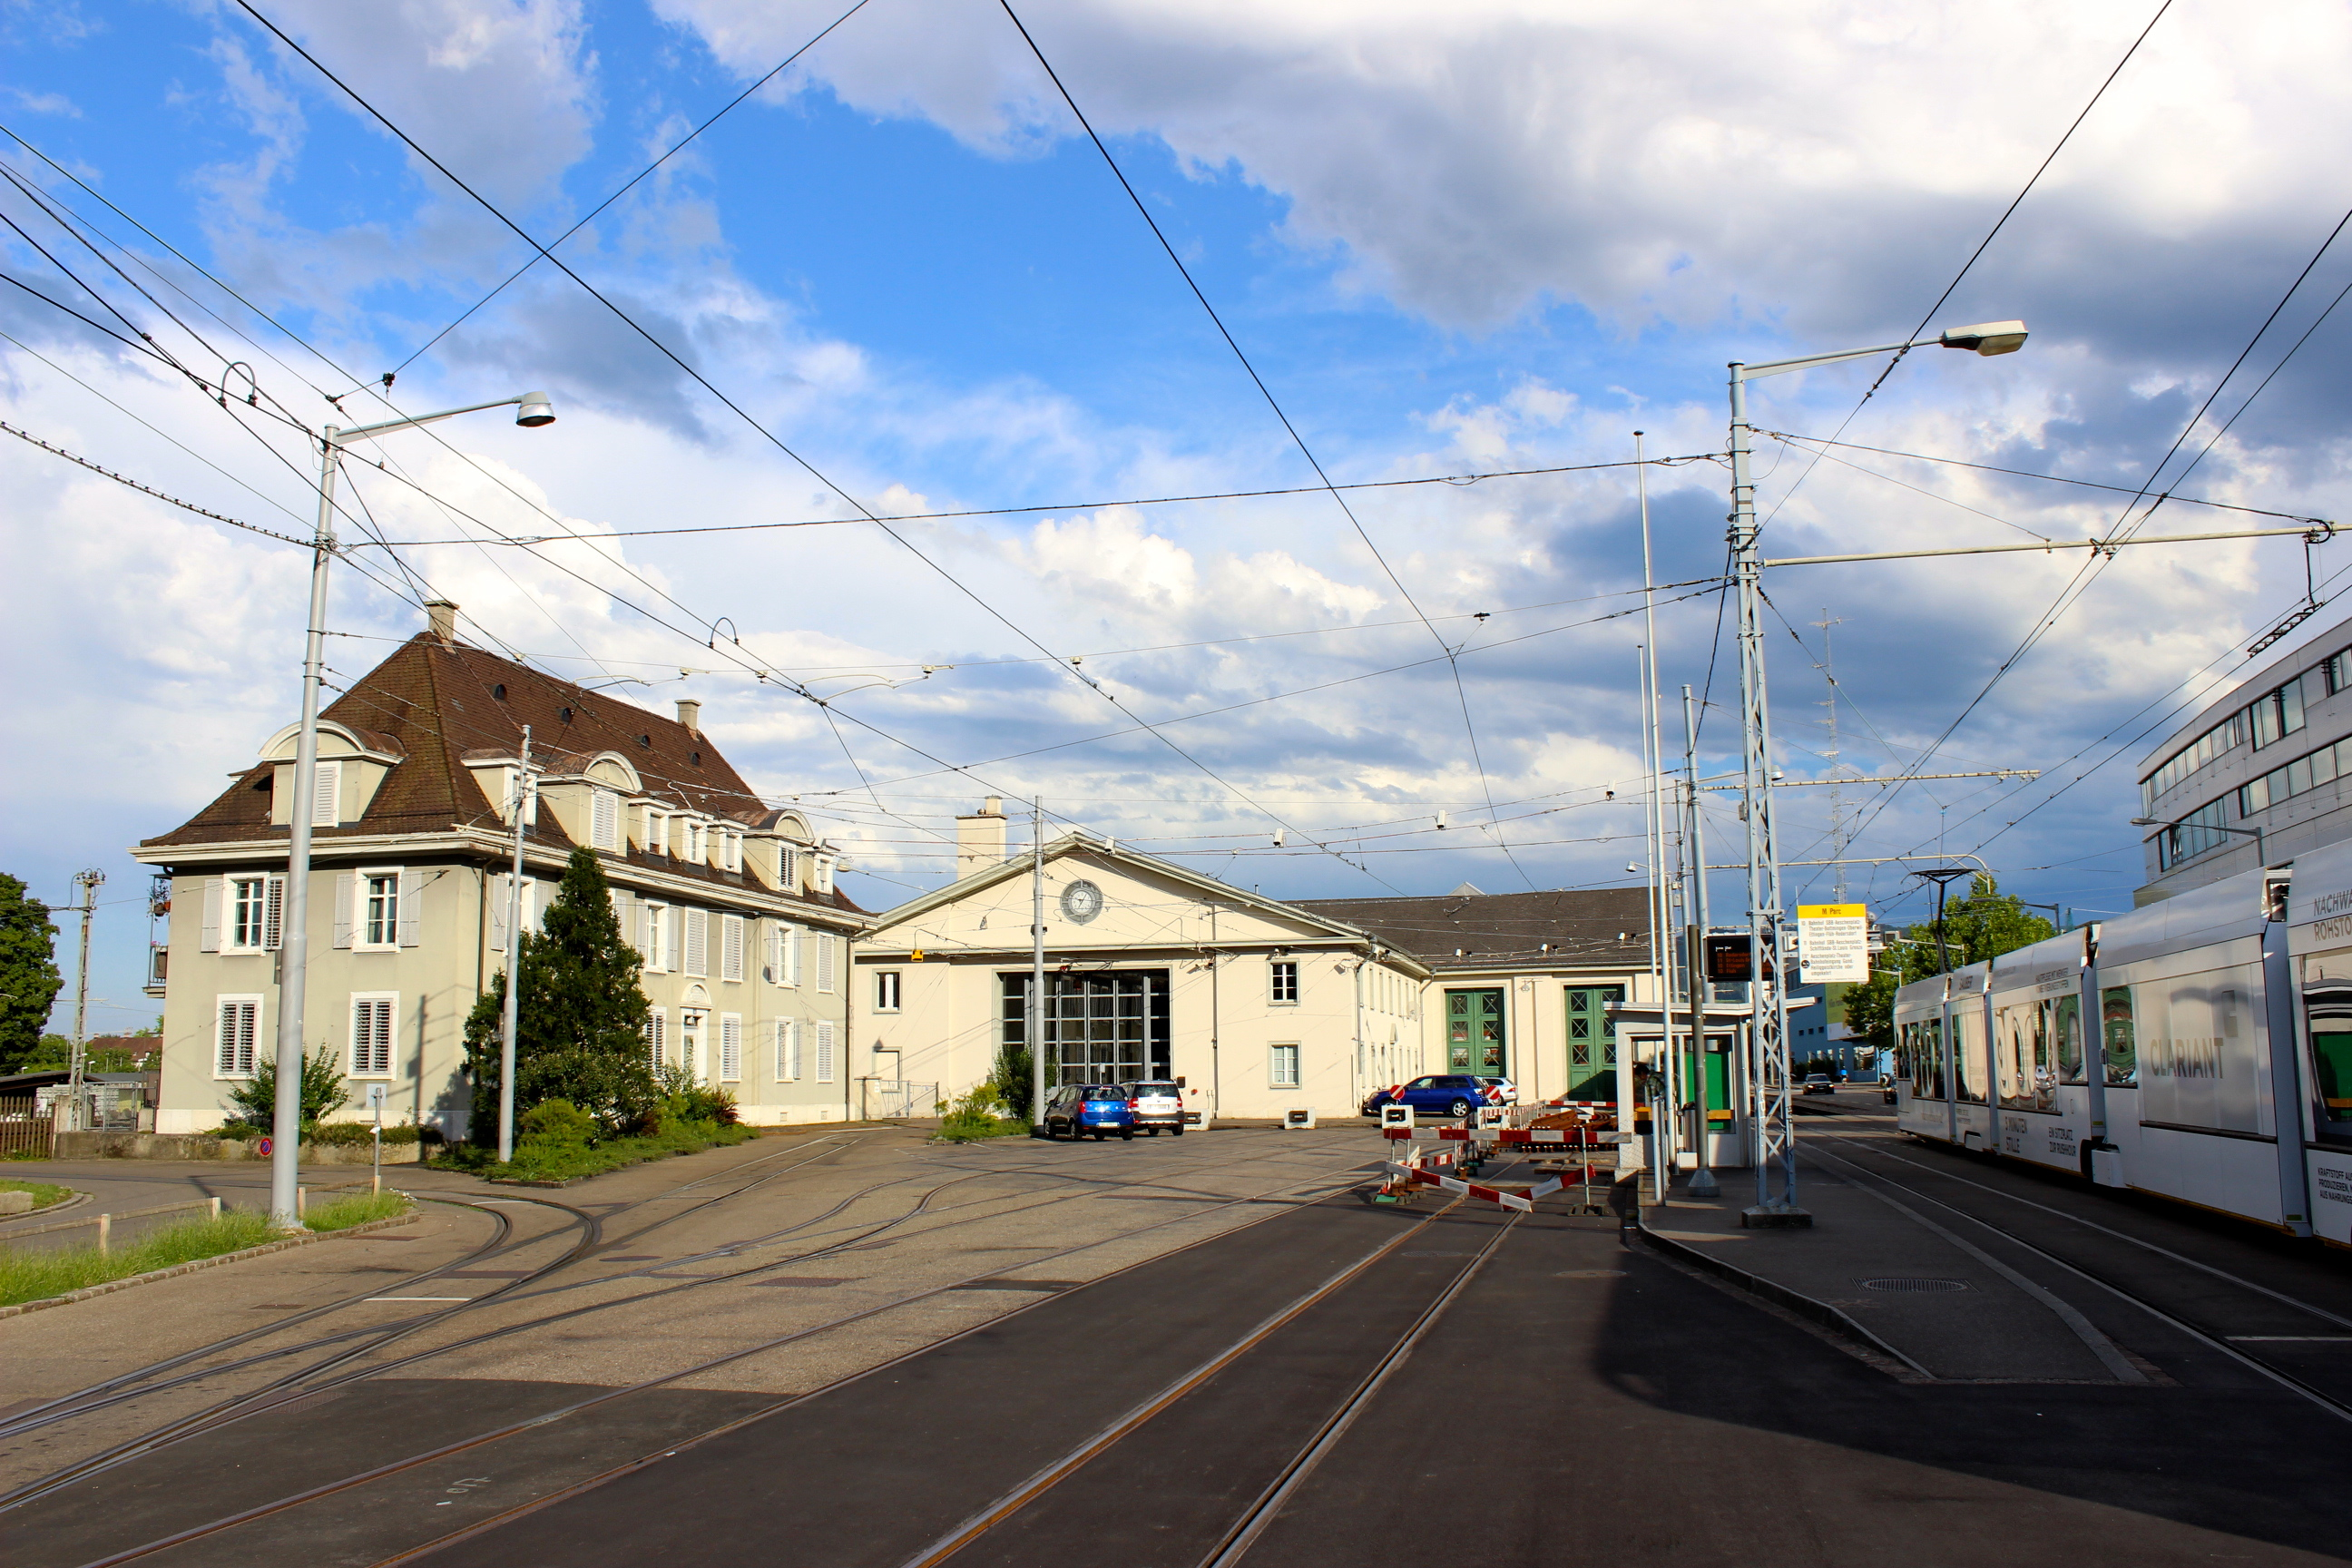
1474, 1041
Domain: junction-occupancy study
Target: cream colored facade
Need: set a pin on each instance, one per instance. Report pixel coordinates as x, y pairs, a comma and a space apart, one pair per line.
730, 905
1259, 1007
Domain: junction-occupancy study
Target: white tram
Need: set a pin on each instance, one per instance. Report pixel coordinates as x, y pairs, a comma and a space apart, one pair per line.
2192, 1084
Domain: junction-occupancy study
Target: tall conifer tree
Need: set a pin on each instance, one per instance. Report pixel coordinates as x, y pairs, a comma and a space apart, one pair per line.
580, 1033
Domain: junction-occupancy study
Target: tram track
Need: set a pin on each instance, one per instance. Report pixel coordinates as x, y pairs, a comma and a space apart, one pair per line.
2188, 1321
415, 1461
127, 1386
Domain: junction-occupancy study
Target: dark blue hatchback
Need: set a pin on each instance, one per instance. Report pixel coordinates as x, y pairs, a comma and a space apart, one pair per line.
1452, 1095
1101, 1109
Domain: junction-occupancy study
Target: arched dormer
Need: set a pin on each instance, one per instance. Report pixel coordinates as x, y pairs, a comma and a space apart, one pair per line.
352, 763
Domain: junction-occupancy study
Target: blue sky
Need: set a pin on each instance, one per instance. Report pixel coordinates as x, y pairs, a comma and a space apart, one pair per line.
1501, 236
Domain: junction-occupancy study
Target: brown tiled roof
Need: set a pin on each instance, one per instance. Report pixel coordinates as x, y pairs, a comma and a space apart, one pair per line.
1581, 925
437, 704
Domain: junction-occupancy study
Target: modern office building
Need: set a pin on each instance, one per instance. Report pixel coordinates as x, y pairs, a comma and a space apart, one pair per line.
2258, 778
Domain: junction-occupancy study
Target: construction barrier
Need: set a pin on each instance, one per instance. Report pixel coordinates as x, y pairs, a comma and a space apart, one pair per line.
1524, 1205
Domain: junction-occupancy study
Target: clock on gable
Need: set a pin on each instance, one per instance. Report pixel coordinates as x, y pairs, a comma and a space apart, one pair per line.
1081, 901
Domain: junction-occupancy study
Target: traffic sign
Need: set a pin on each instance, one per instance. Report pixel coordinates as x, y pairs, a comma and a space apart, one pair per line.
1832, 943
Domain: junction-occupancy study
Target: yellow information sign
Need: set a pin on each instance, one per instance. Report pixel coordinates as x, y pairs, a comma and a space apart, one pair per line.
1833, 945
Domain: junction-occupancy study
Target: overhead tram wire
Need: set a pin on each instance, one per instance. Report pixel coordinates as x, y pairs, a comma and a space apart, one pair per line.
634, 181
737, 410
1130, 501
2126, 526
149, 489
1460, 691
1974, 256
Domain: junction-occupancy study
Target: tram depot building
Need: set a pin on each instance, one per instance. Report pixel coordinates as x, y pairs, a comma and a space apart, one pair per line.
764, 977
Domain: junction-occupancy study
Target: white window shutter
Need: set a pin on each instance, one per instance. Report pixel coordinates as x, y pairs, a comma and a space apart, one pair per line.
672, 938
411, 895
273, 914
825, 961
825, 1053
657, 1034
604, 819
772, 954
346, 886
210, 941
501, 900
327, 796
730, 947
793, 951
730, 1047
698, 939
787, 870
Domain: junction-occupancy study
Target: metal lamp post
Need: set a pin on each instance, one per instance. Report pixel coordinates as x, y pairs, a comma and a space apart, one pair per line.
1774, 1142
532, 410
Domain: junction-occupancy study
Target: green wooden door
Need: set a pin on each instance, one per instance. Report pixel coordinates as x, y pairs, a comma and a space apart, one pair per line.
1474, 1041
1592, 1042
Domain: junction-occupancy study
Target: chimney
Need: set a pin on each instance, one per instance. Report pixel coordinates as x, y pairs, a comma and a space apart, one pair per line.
689, 713
441, 617
979, 838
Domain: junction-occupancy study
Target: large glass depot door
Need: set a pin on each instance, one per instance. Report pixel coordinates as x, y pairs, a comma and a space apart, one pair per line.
1474, 1041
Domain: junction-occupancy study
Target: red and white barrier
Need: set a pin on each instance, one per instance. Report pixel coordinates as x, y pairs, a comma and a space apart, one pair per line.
1524, 1205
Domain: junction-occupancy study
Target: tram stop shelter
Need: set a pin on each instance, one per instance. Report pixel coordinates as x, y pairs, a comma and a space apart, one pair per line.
1647, 1037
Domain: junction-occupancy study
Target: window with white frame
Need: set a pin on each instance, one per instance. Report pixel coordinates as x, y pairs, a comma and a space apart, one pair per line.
504, 907
655, 940
1281, 1066
236, 1020
825, 1053
886, 990
787, 1033
657, 832
824, 878
379, 910
734, 850
1282, 983
371, 1016
327, 796
698, 943
603, 819
657, 1033
788, 868
730, 1047
730, 947
694, 842
824, 945
255, 908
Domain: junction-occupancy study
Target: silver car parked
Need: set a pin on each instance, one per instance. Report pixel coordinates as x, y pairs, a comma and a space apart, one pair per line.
1157, 1103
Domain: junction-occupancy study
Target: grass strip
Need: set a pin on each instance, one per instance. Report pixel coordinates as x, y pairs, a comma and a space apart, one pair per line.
341, 1213
538, 1160
32, 1275
43, 1193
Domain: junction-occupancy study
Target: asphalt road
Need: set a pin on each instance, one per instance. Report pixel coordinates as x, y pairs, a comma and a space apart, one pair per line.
1568, 1397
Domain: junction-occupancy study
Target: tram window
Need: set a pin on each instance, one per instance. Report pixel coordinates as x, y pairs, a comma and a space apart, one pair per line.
2022, 1054
2119, 1040
2329, 1012
2066, 1037
1967, 1053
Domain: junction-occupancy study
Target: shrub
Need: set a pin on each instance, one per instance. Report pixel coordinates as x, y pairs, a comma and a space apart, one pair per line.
323, 1094
975, 1116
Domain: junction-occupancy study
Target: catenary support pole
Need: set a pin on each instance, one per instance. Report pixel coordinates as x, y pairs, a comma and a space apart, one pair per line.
1775, 1144
1037, 1021
294, 938
526, 788
1671, 1084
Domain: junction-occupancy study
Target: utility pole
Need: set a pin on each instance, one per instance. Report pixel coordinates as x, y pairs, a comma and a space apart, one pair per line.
1037, 962
1703, 1184
526, 790
88, 882
1667, 1120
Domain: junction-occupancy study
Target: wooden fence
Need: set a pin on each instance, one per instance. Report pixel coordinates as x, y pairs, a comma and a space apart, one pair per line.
24, 1129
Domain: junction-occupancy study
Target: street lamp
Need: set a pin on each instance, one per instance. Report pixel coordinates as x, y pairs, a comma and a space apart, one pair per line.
532, 410
1769, 1018
2255, 834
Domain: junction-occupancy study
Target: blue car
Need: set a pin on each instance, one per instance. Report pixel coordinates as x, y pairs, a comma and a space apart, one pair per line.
1101, 1109
1453, 1095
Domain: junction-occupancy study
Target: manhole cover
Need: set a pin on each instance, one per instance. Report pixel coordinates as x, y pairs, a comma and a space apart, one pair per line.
1919, 1287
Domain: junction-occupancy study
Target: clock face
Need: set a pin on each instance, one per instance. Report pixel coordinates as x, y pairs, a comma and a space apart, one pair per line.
1081, 901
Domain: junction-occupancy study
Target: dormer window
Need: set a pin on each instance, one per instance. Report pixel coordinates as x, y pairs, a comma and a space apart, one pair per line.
734, 850
327, 796
825, 873
694, 831
788, 868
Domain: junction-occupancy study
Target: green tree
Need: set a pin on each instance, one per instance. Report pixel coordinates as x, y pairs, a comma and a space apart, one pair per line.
323, 1094
29, 980
579, 1029
1985, 924
1015, 1083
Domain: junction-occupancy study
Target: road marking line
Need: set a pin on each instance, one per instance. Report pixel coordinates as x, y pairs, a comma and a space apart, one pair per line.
420, 1298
